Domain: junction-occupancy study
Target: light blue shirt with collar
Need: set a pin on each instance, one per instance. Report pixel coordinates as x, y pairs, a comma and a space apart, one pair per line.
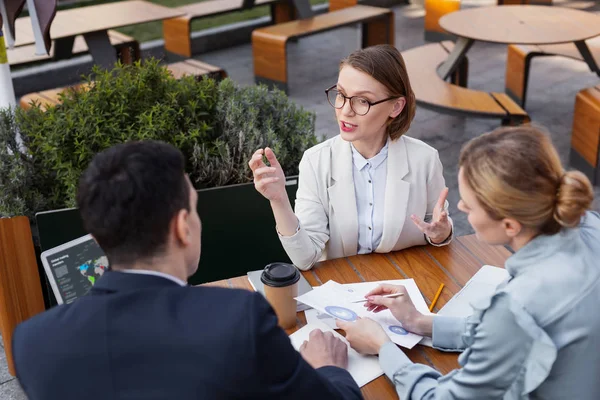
536, 337
155, 273
369, 187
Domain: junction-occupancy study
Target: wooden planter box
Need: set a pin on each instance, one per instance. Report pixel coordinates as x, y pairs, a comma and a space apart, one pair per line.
20, 290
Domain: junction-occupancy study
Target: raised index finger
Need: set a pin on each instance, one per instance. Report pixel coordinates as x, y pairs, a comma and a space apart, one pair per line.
442, 199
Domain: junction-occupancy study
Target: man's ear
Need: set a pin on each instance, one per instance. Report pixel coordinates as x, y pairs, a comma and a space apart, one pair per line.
512, 227
181, 228
398, 107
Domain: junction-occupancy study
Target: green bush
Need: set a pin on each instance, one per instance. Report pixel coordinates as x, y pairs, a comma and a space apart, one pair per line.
247, 119
217, 126
20, 186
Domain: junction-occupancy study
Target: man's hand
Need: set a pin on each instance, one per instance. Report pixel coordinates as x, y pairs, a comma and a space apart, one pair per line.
365, 335
324, 349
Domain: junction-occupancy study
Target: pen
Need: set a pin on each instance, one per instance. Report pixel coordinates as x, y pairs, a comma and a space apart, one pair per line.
435, 298
389, 296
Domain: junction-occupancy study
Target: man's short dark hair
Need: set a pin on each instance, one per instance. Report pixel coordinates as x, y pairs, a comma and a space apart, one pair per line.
128, 196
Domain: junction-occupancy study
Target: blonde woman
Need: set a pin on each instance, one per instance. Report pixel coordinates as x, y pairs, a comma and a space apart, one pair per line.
537, 336
370, 188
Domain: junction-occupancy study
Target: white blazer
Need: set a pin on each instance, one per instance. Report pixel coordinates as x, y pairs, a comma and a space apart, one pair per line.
326, 202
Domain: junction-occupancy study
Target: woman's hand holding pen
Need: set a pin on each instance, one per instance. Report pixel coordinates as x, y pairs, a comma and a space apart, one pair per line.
439, 229
268, 181
402, 308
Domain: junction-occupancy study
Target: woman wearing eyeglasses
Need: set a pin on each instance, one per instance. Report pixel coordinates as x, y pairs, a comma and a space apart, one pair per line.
368, 189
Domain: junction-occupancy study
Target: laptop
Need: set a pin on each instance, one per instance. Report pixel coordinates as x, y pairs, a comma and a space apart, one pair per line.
73, 268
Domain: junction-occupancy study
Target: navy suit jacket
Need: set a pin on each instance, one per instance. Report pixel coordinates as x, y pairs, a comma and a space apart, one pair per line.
145, 337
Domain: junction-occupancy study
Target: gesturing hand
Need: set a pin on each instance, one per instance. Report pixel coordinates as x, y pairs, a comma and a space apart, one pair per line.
268, 181
402, 308
324, 349
439, 228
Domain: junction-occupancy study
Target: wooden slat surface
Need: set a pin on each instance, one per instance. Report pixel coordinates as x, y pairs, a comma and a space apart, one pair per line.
494, 255
429, 88
78, 21
427, 265
510, 106
522, 24
323, 22
26, 54
585, 138
20, 290
216, 7
455, 260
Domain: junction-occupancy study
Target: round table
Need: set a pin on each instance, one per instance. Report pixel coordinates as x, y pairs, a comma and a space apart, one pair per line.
519, 24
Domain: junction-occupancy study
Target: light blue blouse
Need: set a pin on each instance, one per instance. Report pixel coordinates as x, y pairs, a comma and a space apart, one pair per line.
370, 177
537, 336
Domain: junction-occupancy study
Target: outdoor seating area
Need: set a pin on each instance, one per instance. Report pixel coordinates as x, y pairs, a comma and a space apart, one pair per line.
220, 79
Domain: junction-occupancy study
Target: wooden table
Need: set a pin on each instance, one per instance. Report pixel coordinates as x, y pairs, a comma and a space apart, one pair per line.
93, 23
519, 24
429, 266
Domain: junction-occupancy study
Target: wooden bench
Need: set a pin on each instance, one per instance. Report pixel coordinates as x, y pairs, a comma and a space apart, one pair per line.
532, 2
269, 44
178, 70
127, 48
585, 138
177, 31
519, 57
434, 93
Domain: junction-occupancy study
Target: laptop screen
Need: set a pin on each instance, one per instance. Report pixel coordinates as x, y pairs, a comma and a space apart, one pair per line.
74, 267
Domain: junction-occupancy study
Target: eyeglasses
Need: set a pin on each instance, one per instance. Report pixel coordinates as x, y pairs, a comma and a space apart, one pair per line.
358, 104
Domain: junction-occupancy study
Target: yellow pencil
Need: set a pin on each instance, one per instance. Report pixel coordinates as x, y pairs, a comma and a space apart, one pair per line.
435, 298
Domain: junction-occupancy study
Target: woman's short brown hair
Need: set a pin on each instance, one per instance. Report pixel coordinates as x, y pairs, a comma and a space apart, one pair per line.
385, 64
515, 172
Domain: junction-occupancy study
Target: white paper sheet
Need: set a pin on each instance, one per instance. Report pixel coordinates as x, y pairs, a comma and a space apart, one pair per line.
362, 368
315, 317
482, 284
337, 300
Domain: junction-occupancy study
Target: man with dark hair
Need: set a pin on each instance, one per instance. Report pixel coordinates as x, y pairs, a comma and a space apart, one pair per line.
141, 332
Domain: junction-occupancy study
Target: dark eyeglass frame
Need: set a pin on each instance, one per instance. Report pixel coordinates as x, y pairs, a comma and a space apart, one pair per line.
370, 103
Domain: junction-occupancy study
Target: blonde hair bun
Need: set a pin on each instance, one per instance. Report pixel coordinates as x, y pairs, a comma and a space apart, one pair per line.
574, 196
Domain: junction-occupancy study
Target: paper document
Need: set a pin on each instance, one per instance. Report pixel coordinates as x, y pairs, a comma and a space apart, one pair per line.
336, 300
482, 284
362, 368
315, 317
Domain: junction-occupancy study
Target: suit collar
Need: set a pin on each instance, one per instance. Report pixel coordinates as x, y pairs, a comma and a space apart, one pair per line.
115, 281
396, 195
342, 197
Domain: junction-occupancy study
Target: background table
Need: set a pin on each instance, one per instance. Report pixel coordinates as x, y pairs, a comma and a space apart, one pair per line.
429, 266
519, 24
93, 23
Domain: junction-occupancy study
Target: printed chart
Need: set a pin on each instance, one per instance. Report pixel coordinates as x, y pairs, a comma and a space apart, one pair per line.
337, 301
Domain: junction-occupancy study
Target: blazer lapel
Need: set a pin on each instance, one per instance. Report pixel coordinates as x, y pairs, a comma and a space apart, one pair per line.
396, 195
342, 197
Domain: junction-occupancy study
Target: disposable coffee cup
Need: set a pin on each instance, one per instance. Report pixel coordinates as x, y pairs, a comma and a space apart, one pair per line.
281, 287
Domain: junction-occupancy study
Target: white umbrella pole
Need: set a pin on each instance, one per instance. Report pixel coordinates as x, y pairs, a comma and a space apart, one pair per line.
7, 91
